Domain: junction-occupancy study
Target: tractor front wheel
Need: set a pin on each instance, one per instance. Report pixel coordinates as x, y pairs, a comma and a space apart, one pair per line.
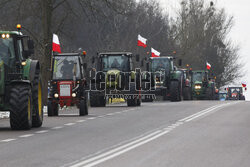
37, 119
83, 109
52, 108
175, 91
20, 107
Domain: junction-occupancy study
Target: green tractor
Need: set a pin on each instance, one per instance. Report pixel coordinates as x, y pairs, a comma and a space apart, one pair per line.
20, 81
164, 79
115, 77
203, 88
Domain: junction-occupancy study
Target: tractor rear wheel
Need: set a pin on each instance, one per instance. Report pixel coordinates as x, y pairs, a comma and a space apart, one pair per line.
175, 91
20, 107
52, 109
83, 109
37, 118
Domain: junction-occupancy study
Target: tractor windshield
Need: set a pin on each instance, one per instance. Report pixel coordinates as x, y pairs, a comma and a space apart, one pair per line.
7, 52
198, 76
119, 62
235, 90
66, 67
159, 64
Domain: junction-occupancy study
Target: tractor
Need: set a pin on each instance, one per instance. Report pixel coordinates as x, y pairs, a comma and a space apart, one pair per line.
162, 78
203, 88
68, 86
235, 93
115, 77
20, 81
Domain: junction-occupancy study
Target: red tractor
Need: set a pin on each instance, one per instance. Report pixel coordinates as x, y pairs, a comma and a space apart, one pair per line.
68, 86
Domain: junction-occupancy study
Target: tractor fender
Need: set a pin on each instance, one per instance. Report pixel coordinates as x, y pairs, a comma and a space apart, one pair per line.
13, 82
34, 69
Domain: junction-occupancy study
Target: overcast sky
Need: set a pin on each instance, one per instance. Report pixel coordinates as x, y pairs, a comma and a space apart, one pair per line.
240, 33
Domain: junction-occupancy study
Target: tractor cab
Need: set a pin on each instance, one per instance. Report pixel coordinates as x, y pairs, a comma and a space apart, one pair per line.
160, 68
115, 61
68, 85
235, 93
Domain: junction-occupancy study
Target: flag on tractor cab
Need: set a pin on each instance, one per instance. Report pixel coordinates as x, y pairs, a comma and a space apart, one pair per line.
142, 41
55, 44
208, 66
155, 53
244, 84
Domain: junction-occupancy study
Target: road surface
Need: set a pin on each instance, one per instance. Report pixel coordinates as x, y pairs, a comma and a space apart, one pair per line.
160, 134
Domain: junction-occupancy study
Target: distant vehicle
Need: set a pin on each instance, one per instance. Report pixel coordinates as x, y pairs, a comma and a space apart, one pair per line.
203, 88
68, 85
222, 96
115, 77
235, 93
166, 80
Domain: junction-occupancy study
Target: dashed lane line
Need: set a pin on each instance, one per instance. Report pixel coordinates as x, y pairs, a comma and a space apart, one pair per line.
7, 140
27, 135
69, 124
42, 131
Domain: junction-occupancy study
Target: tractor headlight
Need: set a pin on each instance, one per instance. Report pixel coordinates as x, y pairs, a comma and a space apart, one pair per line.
23, 63
3, 36
73, 94
197, 86
56, 95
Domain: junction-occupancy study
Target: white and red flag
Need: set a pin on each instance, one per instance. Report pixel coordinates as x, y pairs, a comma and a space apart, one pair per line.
244, 84
155, 53
55, 44
142, 41
208, 66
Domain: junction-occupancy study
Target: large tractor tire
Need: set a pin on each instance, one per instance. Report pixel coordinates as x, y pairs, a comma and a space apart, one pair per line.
187, 93
52, 109
165, 96
102, 101
37, 118
83, 109
131, 101
175, 93
21, 107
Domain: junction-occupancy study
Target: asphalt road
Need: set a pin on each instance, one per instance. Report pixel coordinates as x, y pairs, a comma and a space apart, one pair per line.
160, 134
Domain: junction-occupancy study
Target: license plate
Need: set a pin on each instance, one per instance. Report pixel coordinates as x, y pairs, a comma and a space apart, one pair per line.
64, 90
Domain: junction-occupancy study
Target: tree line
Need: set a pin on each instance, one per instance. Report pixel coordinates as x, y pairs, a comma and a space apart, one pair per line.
198, 33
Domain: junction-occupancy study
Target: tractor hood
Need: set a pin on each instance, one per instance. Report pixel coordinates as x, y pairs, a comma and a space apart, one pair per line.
113, 72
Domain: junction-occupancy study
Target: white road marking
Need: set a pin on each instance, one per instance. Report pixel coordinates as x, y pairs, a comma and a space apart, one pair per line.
79, 121
27, 135
7, 140
110, 114
41, 131
91, 118
101, 116
69, 124
102, 157
57, 127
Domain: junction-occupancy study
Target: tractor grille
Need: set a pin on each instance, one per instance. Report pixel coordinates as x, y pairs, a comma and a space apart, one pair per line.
111, 78
65, 90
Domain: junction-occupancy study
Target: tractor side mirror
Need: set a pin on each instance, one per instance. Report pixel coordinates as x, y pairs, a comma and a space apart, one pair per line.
180, 62
31, 46
137, 57
225, 88
26, 54
93, 60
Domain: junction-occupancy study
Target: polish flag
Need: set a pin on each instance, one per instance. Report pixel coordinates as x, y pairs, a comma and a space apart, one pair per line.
208, 66
56, 45
155, 53
244, 84
142, 41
